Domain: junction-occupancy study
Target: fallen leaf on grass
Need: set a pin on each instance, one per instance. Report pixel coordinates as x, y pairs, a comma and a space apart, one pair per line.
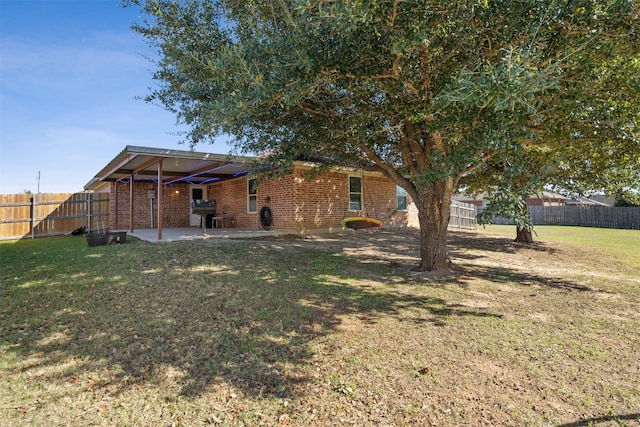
284, 419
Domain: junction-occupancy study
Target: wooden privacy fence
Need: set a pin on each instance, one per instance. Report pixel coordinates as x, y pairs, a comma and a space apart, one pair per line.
38, 215
463, 215
585, 216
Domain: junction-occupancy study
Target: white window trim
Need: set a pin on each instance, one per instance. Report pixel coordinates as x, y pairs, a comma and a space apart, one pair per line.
350, 193
406, 199
250, 196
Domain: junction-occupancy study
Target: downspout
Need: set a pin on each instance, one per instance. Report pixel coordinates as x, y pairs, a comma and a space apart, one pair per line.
160, 201
114, 219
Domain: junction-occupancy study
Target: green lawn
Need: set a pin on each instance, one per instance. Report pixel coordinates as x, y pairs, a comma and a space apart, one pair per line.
625, 244
326, 330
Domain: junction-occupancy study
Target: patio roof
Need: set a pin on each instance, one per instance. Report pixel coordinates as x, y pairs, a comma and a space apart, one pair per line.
193, 167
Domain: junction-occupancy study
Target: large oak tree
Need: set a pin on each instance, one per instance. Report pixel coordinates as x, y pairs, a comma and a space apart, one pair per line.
425, 92
594, 146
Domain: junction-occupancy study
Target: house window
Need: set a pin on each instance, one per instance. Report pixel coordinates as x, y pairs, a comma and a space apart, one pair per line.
355, 193
401, 194
252, 195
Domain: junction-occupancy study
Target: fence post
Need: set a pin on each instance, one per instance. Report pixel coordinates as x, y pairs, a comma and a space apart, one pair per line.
88, 212
33, 216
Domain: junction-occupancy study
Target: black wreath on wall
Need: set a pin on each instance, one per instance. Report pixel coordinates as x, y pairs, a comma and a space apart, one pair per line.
265, 217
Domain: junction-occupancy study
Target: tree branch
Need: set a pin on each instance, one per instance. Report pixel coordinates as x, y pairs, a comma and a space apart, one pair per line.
390, 171
394, 70
392, 21
309, 110
474, 166
437, 141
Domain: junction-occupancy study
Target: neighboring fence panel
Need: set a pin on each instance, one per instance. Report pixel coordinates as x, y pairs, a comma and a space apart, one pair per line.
38, 215
463, 215
616, 217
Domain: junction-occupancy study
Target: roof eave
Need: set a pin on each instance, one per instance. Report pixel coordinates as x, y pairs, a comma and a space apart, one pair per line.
130, 152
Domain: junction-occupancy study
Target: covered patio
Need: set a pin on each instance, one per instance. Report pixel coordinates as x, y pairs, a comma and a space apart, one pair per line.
163, 167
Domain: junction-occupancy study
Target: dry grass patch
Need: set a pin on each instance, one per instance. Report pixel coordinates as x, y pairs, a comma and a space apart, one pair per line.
323, 330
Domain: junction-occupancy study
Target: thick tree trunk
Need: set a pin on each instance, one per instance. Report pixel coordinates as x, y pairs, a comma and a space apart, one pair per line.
524, 235
434, 204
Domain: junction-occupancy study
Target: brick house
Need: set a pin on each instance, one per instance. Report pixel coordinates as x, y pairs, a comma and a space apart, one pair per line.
297, 203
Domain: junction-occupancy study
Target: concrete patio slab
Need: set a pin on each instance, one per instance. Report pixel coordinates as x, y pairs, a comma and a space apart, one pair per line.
197, 233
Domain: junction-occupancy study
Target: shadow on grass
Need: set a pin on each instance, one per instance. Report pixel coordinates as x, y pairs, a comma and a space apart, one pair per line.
465, 247
401, 245
239, 313
496, 243
399, 249
194, 315
604, 419
502, 274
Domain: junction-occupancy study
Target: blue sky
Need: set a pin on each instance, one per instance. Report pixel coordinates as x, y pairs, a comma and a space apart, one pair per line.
70, 72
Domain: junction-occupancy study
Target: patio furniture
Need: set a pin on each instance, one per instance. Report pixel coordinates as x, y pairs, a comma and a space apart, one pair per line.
220, 218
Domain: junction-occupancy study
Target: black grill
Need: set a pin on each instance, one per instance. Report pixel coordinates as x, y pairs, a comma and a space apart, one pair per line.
203, 207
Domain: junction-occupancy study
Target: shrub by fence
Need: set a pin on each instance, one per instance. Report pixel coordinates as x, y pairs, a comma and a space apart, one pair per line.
38, 215
584, 216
